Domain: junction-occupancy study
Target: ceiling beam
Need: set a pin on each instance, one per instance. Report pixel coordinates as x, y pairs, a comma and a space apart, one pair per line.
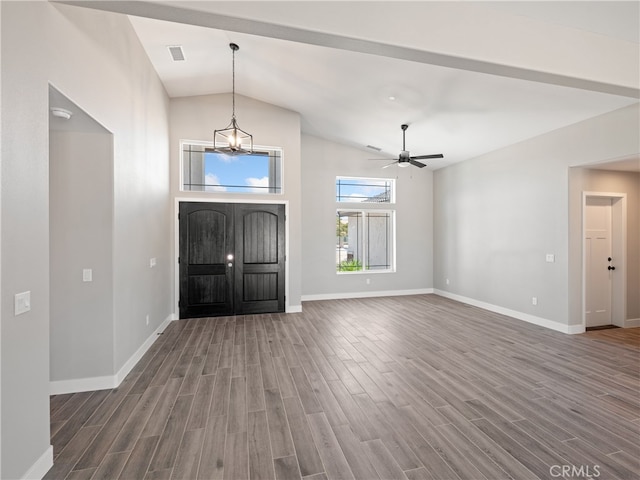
218, 21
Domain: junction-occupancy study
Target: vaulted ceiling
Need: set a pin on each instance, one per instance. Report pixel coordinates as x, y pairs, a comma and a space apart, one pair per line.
468, 77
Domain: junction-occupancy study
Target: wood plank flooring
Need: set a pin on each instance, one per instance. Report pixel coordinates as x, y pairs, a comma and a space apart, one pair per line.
416, 387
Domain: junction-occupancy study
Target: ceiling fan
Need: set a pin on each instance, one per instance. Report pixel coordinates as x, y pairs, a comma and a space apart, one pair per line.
405, 159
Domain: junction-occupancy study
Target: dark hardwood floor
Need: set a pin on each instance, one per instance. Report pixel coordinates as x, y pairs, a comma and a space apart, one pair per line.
417, 387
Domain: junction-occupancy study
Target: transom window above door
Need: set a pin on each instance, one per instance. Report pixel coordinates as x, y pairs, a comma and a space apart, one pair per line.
204, 170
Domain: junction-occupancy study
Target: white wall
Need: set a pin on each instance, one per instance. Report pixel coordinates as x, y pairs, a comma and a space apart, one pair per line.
497, 216
81, 233
25, 231
322, 161
195, 118
94, 59
605, 181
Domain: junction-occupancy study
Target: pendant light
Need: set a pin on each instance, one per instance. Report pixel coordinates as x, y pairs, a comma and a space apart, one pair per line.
235, 139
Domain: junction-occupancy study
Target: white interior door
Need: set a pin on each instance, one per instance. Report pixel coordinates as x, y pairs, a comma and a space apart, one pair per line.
598, 262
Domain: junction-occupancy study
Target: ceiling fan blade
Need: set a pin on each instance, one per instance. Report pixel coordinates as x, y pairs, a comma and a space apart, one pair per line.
392, 163
425, 157
416, 164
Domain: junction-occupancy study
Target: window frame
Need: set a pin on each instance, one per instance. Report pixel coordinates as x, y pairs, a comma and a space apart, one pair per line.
278, 191
364, 209
392, 190
364, 244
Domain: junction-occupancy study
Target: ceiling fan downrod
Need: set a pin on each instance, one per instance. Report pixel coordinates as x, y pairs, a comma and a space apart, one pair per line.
404, 127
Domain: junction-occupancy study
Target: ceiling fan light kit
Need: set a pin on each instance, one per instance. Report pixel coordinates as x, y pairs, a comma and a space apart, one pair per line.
232, 136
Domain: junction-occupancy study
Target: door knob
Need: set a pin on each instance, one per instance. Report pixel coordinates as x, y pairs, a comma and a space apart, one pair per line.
231, 265
611, 268
609, 259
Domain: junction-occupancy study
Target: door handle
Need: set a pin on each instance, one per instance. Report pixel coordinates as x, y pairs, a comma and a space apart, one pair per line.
611, 268
231, 265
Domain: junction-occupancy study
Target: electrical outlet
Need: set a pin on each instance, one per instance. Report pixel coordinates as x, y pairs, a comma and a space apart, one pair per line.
550, 258
147, 319
368, 281
152, 262
447, 281
534, 300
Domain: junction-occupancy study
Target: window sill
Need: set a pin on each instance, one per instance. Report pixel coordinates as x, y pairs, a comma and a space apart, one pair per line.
365, 272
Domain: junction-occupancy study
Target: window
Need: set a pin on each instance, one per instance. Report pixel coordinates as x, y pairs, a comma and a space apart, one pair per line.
364, 241
207, 171
365, 190
365, 233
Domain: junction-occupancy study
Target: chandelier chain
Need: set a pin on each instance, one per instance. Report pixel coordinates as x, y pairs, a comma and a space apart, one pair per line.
233, 83
233, 135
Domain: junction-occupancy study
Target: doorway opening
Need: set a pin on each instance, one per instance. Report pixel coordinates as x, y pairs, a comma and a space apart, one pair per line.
80, 245
604, 260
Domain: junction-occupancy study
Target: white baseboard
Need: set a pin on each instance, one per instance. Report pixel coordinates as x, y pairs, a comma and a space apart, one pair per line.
543, 322
135, 358
385, 293
108, 382
632, 323
41, 467
575, 329
293, 309
75, 385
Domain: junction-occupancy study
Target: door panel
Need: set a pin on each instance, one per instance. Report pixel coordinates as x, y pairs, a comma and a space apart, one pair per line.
598, 283
231, 259
206, 238
259, 258
260, 234
260, 286
206, 289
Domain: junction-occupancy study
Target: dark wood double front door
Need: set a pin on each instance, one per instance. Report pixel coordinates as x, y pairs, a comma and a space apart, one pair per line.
231, 259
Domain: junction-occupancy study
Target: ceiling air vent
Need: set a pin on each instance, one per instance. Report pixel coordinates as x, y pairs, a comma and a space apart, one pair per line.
176, 53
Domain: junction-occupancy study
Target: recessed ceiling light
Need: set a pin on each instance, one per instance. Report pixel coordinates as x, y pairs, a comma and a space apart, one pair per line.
392, 98
176, 53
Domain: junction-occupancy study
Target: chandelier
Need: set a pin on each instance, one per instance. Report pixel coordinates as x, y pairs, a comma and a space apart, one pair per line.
232, 139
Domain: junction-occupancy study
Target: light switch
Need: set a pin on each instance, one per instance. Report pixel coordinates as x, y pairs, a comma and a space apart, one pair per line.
152, 262
551, 258
87, 275
22, 303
